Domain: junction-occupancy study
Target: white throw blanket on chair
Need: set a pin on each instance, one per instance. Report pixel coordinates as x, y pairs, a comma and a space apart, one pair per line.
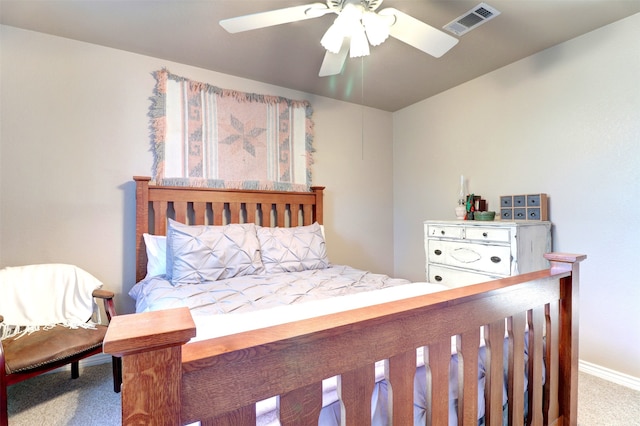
46, 295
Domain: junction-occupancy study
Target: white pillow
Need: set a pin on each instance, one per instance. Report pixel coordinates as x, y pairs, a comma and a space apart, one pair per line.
201, 253
293, 249
156, 254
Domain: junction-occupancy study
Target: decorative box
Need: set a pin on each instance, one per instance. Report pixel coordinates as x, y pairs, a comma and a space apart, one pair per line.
524, 207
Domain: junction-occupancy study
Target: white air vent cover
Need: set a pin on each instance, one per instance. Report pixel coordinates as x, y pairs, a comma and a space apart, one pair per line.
472, 19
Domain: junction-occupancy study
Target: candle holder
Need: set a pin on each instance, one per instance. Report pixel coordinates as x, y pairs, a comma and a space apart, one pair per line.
461, 208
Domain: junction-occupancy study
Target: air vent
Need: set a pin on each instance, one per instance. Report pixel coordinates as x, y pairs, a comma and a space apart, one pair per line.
472, 19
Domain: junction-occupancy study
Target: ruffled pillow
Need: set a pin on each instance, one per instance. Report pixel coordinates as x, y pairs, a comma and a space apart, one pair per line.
201, 253
293, 249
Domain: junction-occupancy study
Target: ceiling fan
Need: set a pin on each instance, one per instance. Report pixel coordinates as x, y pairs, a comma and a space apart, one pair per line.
357, 26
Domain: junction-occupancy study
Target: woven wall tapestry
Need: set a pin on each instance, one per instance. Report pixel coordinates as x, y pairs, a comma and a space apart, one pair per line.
205, 136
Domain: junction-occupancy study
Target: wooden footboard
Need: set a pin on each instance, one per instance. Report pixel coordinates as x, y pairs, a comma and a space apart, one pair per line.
218, 381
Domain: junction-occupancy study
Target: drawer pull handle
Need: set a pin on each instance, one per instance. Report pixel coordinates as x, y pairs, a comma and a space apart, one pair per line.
438, 278
442, 232
484, 234
438, 252
495, 259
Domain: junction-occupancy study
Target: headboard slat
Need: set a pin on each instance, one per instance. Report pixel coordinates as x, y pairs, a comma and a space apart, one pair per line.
159, 218
251, 209
199, 213
307, 212
281, 210
294, 216
218, 213
180, 208
234, 213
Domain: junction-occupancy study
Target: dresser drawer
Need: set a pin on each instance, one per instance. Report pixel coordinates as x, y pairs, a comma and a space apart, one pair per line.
455, 277
500, 235
445, 231
478, 257
460, 252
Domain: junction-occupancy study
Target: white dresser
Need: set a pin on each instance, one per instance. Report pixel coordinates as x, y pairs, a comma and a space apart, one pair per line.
460, 252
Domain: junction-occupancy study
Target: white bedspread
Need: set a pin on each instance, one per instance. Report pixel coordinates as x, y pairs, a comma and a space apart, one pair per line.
253, 292
223, 325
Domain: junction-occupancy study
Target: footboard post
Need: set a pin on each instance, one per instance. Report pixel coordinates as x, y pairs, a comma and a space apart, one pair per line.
568, 345
150, 345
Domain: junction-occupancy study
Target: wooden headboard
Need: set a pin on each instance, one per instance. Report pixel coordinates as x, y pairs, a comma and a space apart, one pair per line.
211, 206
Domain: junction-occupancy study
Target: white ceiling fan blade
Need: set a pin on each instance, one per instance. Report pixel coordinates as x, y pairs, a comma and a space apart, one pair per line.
418, 34
274, 17
333, 63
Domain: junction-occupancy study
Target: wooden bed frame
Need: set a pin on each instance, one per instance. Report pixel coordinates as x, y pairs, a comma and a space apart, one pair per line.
218, 381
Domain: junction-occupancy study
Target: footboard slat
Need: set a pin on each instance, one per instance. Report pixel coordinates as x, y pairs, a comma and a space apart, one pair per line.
400, 372
355, 388
536, 333
242, 416
467, 345
494, 337
552, 332
438, 357
516, 368
301, 406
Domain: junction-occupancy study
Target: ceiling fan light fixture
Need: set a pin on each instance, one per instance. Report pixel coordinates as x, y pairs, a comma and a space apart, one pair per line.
359, 44
358, 25
376, 27
333, 38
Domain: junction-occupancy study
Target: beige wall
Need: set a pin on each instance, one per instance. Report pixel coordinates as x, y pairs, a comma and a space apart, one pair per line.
75, 130
565, 122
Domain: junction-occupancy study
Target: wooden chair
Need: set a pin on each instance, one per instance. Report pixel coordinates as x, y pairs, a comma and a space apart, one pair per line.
31, 351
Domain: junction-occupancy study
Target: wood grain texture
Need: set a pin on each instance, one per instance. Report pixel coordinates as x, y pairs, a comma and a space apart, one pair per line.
151, 387
468, 348
301, 406
515, 380
134, 333
400, 372
494, 340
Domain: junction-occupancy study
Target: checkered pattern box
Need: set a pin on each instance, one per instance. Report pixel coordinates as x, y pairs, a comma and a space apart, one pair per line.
524, 207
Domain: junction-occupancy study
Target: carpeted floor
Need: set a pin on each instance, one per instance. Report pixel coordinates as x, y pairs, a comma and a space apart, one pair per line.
55, 399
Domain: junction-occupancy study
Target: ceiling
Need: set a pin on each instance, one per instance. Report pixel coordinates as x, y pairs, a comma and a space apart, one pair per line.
395, 75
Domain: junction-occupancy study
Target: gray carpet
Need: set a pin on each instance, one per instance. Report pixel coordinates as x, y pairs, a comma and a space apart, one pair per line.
55, 399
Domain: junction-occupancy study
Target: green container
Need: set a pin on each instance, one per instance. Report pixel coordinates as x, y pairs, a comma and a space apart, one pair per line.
484, 215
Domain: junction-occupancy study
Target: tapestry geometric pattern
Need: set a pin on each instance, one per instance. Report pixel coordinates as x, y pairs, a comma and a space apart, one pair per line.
205, 136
